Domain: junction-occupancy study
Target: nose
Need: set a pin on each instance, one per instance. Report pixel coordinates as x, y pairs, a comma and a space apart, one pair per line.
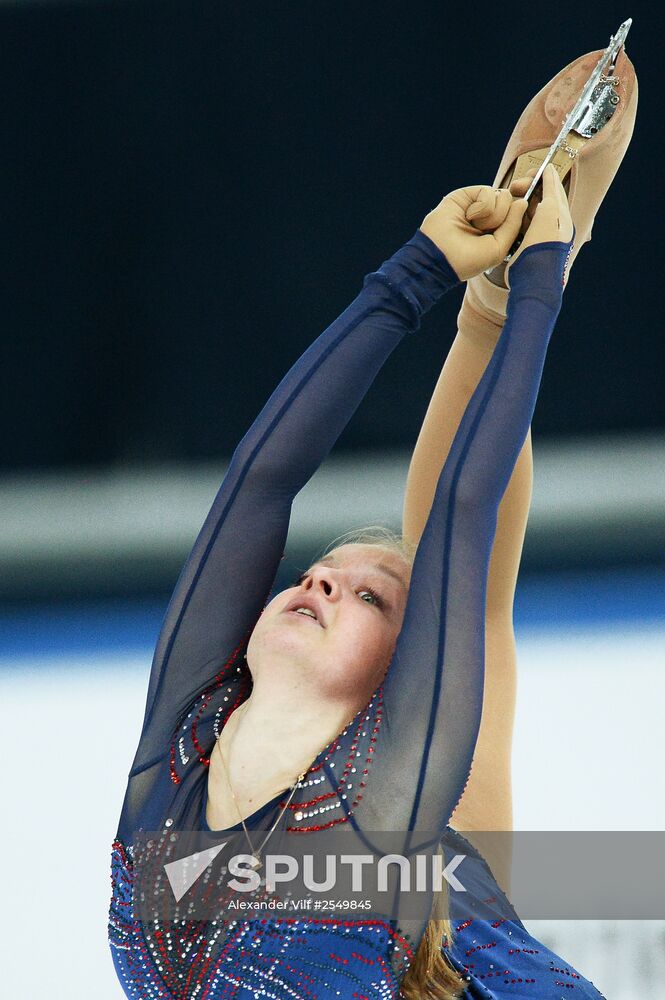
324, 579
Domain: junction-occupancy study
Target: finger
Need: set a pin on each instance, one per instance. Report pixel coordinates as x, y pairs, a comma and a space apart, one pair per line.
482, 205
493, 213
506, 233
560, 191
519, 187
548, 206
554, 193
551, 220
490, 211
565, 223
466, 196
552, 186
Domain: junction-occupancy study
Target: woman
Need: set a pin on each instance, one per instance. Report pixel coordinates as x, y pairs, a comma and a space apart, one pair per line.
303, 715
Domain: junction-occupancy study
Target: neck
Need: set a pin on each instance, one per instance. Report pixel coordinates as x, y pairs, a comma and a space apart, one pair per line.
288, 732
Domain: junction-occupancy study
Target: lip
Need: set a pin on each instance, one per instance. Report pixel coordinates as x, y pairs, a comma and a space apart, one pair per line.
306, 602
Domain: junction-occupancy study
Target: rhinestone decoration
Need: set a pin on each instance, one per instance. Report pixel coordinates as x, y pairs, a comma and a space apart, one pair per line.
291, 958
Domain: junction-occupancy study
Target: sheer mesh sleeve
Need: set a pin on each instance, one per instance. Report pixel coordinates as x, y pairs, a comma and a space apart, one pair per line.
228, 575
434, 686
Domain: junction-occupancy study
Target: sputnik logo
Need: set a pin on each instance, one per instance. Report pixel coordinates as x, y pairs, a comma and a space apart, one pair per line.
182, 874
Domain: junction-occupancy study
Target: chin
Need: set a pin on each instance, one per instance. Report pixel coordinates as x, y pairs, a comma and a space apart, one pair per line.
278, 642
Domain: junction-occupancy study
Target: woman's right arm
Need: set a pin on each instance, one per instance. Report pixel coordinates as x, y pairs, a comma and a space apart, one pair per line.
231, 569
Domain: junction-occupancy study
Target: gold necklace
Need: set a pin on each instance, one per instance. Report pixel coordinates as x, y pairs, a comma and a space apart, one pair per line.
257, 853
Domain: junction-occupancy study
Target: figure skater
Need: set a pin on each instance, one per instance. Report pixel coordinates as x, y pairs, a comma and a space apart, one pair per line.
376, 691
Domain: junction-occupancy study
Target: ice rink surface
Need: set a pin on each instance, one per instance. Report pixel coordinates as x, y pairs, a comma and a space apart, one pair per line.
588, 755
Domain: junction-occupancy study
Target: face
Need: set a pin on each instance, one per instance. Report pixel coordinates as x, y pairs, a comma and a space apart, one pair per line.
341, 640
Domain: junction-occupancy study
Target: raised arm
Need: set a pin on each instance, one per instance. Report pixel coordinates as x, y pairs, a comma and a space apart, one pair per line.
487, 800
466, 362
486, 803
228, 575
438, 663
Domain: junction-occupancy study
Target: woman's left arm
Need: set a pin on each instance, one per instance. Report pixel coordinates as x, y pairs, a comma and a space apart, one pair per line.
439, 657
487, 801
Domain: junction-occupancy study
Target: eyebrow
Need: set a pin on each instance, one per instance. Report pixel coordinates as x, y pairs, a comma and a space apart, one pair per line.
330, 560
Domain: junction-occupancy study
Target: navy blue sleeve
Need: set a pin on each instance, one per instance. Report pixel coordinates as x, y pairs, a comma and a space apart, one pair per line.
231, 569
433, 689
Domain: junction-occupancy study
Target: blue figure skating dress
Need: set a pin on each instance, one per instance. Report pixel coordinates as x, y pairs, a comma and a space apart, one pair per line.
403, 761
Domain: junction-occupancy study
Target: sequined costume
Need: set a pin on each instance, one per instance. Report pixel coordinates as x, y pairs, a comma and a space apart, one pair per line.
392, 768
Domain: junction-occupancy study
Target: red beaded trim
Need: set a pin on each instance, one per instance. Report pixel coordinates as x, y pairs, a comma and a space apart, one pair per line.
349, 763
118, 846
205, 697
174, 777
317, 767
566, 972
481, 947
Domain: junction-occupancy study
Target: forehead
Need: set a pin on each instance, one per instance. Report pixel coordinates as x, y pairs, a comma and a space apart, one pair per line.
375, 557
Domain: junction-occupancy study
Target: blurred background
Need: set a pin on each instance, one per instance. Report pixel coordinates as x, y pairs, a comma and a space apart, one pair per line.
192, 192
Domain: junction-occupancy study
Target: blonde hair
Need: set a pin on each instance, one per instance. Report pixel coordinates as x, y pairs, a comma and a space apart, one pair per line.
375, 534
430, 976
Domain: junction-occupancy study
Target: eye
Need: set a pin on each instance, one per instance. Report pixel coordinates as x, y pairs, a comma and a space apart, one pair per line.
370, 597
